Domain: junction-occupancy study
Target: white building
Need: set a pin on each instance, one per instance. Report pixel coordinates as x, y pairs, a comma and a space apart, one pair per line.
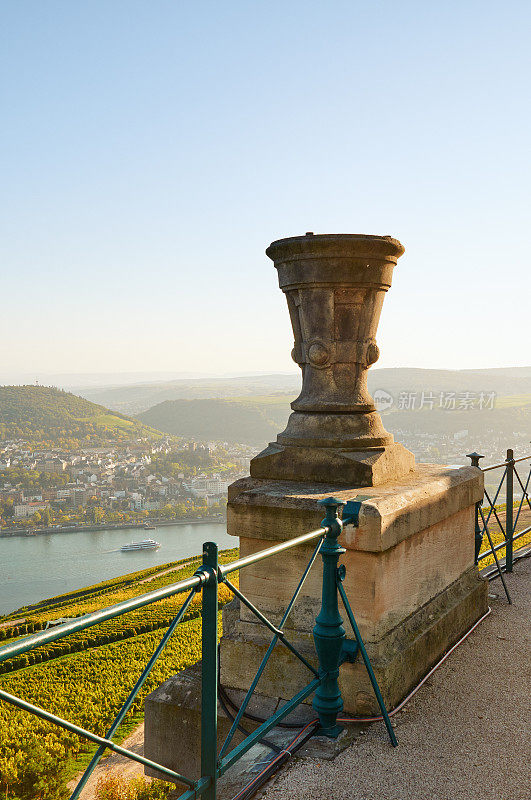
23, 511
203, 486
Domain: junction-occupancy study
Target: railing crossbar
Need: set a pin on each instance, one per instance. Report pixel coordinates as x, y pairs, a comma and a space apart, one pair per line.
494, 466
87, 621
500, 546
504, 463
225, 569
102, 615
100, 740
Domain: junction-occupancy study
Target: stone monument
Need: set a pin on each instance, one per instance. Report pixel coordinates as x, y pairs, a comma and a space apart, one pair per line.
410, 572
411, 577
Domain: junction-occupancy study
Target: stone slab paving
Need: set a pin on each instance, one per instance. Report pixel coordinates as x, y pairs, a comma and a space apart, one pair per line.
466, 734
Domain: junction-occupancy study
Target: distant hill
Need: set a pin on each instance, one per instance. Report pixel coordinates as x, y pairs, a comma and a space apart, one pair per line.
503, 381
257, 419
134, 399
219, 420
47, 414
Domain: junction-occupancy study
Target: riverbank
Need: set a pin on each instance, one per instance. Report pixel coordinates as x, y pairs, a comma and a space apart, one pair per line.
105, 526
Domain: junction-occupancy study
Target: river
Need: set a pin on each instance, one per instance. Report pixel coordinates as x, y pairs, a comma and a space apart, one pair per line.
33, 568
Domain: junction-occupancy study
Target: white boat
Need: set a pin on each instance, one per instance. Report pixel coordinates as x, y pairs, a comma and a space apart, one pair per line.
145, 544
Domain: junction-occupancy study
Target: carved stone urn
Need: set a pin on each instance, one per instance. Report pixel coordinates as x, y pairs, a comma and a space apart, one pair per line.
335, 286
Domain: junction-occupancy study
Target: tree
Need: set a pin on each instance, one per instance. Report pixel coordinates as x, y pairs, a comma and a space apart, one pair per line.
36, 518
40, 776
166, 511
97, 514
9, 508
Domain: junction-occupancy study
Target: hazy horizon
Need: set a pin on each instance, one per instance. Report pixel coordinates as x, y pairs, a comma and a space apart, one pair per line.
74, 380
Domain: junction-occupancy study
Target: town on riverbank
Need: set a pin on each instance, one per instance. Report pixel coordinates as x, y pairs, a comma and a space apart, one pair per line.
154, 523
118, 485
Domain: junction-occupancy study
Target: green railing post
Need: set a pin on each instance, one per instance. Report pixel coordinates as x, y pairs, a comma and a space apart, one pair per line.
509, 506
328, 632
209, 669
478, 538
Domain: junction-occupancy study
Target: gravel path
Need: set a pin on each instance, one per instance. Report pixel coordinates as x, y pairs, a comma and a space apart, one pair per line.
115, 764
464, 736
164, 572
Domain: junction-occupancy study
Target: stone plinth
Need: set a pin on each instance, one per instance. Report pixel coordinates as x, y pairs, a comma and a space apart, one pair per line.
411, 578
172, 725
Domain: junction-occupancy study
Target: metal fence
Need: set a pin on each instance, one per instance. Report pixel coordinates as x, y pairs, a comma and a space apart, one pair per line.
332, 649
503, 511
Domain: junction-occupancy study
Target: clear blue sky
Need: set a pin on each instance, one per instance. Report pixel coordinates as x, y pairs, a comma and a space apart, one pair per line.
151, 150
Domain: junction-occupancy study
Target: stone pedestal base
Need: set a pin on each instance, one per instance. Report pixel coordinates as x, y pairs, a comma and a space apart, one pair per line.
400, 658
173, 730
173, 725
410, 578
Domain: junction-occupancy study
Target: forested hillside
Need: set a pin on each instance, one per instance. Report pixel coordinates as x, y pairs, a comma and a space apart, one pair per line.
44, 414
220, 420
257, 421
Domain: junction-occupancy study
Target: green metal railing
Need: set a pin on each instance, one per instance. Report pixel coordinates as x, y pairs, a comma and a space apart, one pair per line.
331, 644
506, 521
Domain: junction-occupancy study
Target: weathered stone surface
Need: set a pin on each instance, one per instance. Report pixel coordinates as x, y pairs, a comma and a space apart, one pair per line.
334, 285
399, 658
413, 549
278, 510
173, 725
349, 468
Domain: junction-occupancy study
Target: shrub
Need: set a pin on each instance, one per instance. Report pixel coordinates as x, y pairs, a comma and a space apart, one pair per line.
114, 787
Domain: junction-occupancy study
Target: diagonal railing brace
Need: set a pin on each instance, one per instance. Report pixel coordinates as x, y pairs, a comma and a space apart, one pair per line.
269, 650
129, 702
